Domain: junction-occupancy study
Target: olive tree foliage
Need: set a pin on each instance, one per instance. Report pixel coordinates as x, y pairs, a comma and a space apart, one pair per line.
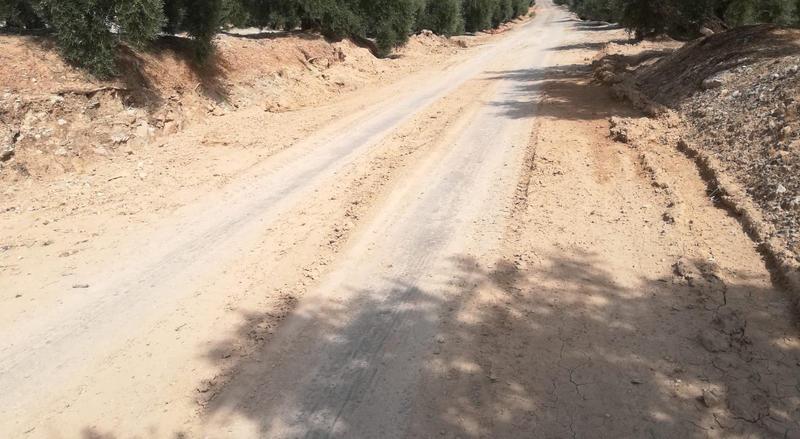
201, 20
684, 18
487, 14
139, 21
83, 32
89, 31
738, 12
444, 17
20, 14
478, 14
390, 22
605, 10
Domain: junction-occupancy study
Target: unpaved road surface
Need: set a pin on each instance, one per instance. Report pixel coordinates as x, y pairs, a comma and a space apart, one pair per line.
467, 256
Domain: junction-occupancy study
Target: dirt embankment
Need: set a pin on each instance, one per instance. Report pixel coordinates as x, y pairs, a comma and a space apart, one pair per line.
55, 119
123, 154
731, 102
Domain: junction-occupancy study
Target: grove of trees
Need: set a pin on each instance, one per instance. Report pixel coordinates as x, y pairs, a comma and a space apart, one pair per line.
684, 18
88, 31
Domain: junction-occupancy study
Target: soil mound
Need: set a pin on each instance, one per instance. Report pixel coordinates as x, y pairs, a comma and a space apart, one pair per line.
739, 94
55, 118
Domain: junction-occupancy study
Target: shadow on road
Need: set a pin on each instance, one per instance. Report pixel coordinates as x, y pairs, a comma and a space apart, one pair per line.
563, 350
564, 88
588, 46
593, 26
558, 349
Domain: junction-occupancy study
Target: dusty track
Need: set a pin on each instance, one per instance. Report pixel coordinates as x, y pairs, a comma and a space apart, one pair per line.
471, 258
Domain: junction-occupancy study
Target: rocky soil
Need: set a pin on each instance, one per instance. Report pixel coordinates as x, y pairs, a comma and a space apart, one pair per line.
55, 119
734, 97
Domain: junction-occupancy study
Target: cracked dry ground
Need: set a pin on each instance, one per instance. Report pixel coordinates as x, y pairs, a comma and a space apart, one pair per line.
624, 303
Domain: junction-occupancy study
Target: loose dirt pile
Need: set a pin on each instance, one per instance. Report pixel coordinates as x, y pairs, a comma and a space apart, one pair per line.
732, 100
56, 119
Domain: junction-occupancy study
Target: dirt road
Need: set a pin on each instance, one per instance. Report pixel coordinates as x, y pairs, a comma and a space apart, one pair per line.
467, 255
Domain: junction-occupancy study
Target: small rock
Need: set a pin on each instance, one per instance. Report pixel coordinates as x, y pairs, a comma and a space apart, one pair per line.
706, 32
80, 286
780, 189
711, 83
6, 153
119, 138
710, 399
619, 134
171, 127
714, 341
618, 131
683, 270
61, 152
205, 386
143, 131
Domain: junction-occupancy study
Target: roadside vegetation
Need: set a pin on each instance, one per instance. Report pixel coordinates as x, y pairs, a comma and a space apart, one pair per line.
685, 19
88, 31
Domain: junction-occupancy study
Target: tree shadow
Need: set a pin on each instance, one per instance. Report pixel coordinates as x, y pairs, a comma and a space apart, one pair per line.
557, 349
590, 46
637, 59
136, 83
564, 88
352, 344
94, 433
592, 26
139, 83
274, 35
571, 352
